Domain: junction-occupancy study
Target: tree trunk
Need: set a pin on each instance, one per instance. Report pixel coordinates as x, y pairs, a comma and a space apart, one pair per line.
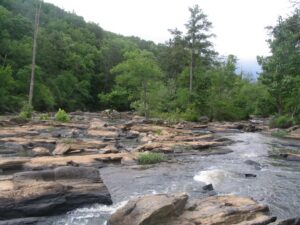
36, 30
145, 100
191, 74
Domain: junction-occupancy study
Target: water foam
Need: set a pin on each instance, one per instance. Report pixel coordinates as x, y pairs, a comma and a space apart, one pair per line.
214, 176
82, 216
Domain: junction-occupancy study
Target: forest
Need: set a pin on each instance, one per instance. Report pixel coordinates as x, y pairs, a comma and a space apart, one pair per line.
80, 66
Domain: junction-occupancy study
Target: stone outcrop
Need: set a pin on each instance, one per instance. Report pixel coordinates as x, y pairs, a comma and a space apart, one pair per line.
50, 192
174, 210
41, 151
149, 210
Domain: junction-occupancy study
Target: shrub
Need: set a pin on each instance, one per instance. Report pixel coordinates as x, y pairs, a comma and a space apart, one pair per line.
44, 117
26, 111
279, 133
190, 115
62, 116
283, 121
151, 158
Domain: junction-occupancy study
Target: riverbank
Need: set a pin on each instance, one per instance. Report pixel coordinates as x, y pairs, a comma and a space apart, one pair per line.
96, 140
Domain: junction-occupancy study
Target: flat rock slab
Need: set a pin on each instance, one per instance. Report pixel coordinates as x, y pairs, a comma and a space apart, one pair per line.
51, 192
83, 160
68, 146
174, 210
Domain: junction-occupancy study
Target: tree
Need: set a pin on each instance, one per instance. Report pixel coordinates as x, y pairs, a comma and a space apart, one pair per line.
198, 38
36, 31
281, 70
138, 74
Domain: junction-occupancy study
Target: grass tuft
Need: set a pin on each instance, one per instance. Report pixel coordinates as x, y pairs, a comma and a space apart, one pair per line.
151, 158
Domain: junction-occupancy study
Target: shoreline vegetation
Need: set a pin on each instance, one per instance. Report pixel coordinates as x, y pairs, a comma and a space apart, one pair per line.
80, 66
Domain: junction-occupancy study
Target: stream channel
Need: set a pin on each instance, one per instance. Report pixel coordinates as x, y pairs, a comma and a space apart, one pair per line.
277, 181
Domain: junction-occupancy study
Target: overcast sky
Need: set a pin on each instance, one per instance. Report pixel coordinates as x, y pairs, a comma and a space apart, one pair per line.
238, 24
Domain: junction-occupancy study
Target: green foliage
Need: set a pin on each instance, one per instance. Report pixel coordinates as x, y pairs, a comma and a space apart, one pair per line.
279, 133
283, 121
150, 158
82, 67
26, 111
281, 71
138, 75
62, 116
74, 58
44, 117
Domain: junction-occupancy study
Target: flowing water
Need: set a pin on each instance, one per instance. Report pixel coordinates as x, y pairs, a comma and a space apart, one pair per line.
277, 181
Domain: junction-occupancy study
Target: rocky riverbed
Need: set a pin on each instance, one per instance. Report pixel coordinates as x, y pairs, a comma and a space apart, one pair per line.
48, 168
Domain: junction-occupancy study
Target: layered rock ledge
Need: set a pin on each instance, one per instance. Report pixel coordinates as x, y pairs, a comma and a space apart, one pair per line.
50, 192
175, 209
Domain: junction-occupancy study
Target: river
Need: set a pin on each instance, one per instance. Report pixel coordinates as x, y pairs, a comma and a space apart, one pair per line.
277, 181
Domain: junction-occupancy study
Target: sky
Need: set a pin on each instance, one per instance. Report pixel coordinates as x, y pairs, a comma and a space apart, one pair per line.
239, 25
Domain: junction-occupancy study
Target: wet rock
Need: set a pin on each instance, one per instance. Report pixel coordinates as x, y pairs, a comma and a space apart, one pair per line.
18, 121
14, 146
132, 135
250, 175
174, 210
290, 156
103, 133
208, 187
50, 192
12, 163
41, 151
256, 165
63, 133
293, 221
29, 141
203, 119
28, 221
251, 128
149, 210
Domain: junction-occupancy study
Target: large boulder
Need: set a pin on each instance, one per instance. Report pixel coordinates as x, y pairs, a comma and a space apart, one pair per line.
149, 210
50, 192
225, 210
174, 210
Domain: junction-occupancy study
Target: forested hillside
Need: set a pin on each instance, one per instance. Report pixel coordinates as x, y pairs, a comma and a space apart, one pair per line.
74, 58
80, 66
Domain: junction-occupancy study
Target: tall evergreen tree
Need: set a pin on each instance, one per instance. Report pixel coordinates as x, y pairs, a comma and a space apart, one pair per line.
198, 35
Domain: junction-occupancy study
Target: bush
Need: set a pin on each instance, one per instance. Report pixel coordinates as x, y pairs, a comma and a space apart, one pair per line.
26, 111
44, 117
151, 158
190, 114
279, 133
62, 116
283, 121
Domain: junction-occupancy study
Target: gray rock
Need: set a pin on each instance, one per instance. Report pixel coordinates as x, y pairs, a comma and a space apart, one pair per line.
208, 187
28, 221
149, 210
294, 221
52, 192
174, 210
